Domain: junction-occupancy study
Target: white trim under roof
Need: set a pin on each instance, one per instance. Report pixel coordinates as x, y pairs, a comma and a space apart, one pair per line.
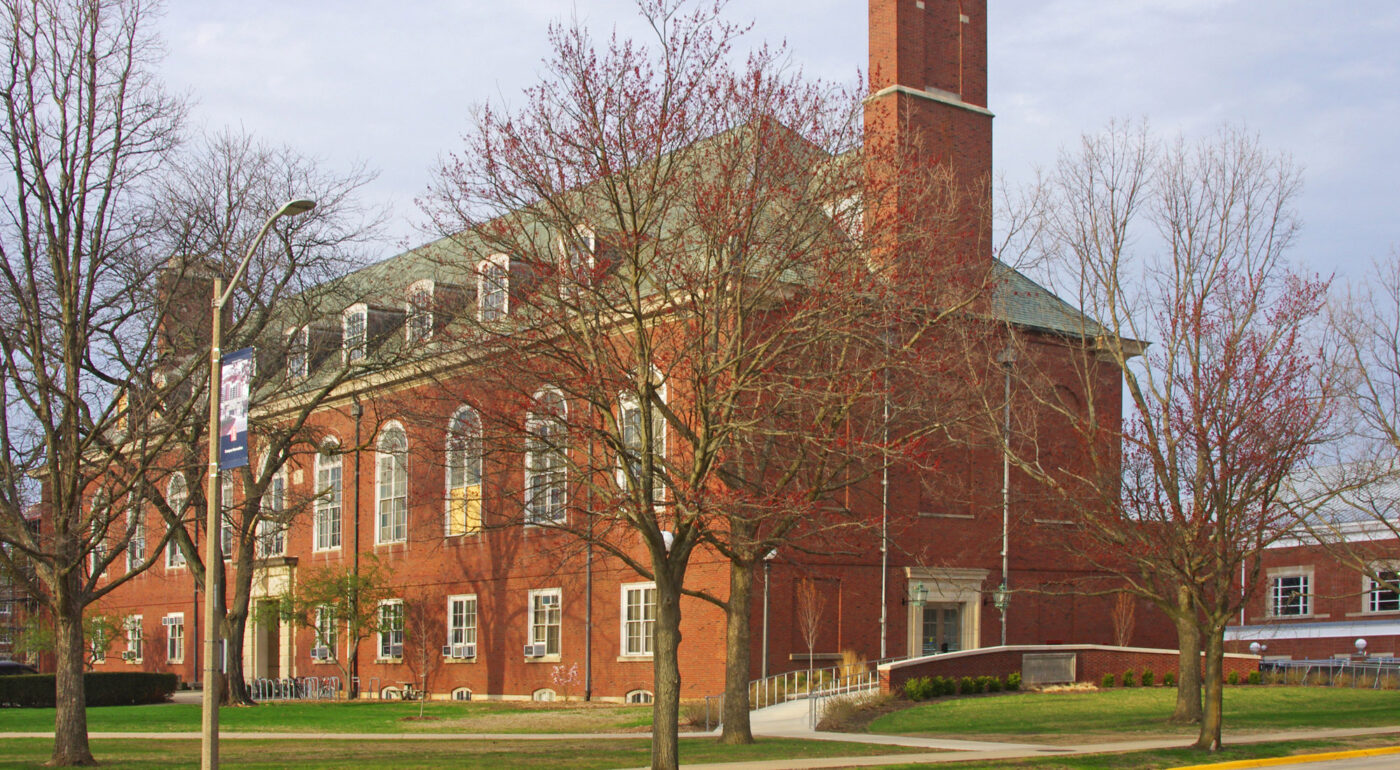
1341, 629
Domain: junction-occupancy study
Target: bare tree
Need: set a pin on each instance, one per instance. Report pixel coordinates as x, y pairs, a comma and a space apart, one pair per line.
85, 130
1183, 247
811, 602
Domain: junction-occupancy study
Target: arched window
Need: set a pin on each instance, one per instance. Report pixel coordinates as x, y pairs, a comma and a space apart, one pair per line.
546, 474
461, 693
176, 496
543, 695
328, 491
640, 696
391, 485
463, 473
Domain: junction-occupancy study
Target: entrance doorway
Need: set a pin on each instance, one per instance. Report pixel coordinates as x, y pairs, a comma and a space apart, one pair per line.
267, 642
942, 628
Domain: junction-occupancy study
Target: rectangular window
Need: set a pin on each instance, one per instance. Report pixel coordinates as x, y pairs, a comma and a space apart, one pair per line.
325, 643
136, 544
226, 503
493, 291
545, 619
97, 647
355, 334
418, 325
133, 638
175, 637
174, 557
1289, 596
391, 630
327, 523
393, 495
1381, 595
638, 618
271, 537
461, 623
298, 353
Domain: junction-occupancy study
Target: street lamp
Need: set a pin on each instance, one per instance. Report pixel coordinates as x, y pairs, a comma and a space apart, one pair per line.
1007, 359
213, 561
767, 571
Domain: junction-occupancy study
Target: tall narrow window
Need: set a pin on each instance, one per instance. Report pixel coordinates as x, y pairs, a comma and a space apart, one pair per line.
637, 444
101, 519
298, 352
327, 519
418, 324
391, 629
271, 531
174, 637
136, 542
461, 626
464, 473
546, 618
392, 485
1289, 596
324, 647
356, 325
176, 495
638, 618
134, 647
546, 472
493, 288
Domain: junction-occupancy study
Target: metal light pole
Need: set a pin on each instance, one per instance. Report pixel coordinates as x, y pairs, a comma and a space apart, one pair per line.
1002, 598
767, 565
213, 560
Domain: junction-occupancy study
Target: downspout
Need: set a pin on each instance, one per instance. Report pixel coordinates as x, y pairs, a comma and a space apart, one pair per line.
357, 411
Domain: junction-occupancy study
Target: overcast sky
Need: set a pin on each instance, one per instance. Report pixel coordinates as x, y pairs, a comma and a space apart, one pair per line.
391, 84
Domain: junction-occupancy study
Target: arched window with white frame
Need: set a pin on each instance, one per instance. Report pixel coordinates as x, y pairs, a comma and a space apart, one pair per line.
391, 485
463, 515
546, 471
177, 494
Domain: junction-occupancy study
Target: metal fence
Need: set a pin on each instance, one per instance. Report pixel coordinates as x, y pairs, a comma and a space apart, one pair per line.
305, 688
817, 686
1373, 673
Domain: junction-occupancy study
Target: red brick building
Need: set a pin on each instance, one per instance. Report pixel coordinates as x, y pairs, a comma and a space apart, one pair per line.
529, 612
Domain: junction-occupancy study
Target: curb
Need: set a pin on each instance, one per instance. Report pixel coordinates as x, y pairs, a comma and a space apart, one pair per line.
1275, 761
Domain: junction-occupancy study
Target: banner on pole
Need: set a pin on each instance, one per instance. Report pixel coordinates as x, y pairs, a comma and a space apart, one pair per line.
234, 386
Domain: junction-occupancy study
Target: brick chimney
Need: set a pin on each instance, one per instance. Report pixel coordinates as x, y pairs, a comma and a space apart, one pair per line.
928, 71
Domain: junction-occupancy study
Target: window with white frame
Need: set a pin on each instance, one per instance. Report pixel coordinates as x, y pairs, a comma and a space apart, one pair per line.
640, 696
463, 473
174, 637
97, 645
391, 485
461, 625
355, 324
546, 473
636, 443
324, 645
134, 647
272, 539
1290, 595
326, 522
576, 262
101, 520
227, 504
493, 288
1381, 595
638, 618
176, 495
298, 352
391, 629
136, 542
546, 618
418, 309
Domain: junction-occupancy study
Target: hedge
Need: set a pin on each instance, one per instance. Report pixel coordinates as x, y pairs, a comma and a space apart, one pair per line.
103, 689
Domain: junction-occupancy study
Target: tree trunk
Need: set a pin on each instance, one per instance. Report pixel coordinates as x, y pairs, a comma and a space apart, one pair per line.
665, 709
1211, 721
70, 735
1188, 668
737, 669
235, 625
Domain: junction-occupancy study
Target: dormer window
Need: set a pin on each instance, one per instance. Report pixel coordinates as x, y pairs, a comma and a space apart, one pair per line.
419, 308
298, 352
356, 321
578, 258
493, 288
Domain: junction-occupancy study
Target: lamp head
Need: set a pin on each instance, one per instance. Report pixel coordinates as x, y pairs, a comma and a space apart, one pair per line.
296, 206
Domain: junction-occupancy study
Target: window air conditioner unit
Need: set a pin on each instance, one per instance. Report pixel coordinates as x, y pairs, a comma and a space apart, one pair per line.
464, 651
396, 651
534, 650
320, 653
128, 655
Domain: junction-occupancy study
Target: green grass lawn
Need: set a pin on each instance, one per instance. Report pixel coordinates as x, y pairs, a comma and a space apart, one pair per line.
494, 755
356, 717
1129, 712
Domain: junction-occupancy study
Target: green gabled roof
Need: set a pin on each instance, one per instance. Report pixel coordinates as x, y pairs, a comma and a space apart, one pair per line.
1020, 301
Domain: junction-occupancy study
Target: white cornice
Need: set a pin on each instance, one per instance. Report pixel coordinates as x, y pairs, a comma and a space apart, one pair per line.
933, 95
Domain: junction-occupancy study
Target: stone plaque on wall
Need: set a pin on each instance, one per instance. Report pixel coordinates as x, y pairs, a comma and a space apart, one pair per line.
1047, 668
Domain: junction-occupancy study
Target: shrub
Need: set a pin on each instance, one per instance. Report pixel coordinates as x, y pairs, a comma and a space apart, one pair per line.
103, 689
1013, 681
1169, 679
693, 712
942, 686
921, 688
967, 685
1255, 678
1109, 680
994, 684
1233, 678
1148, 678
1129, 680
983, 683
